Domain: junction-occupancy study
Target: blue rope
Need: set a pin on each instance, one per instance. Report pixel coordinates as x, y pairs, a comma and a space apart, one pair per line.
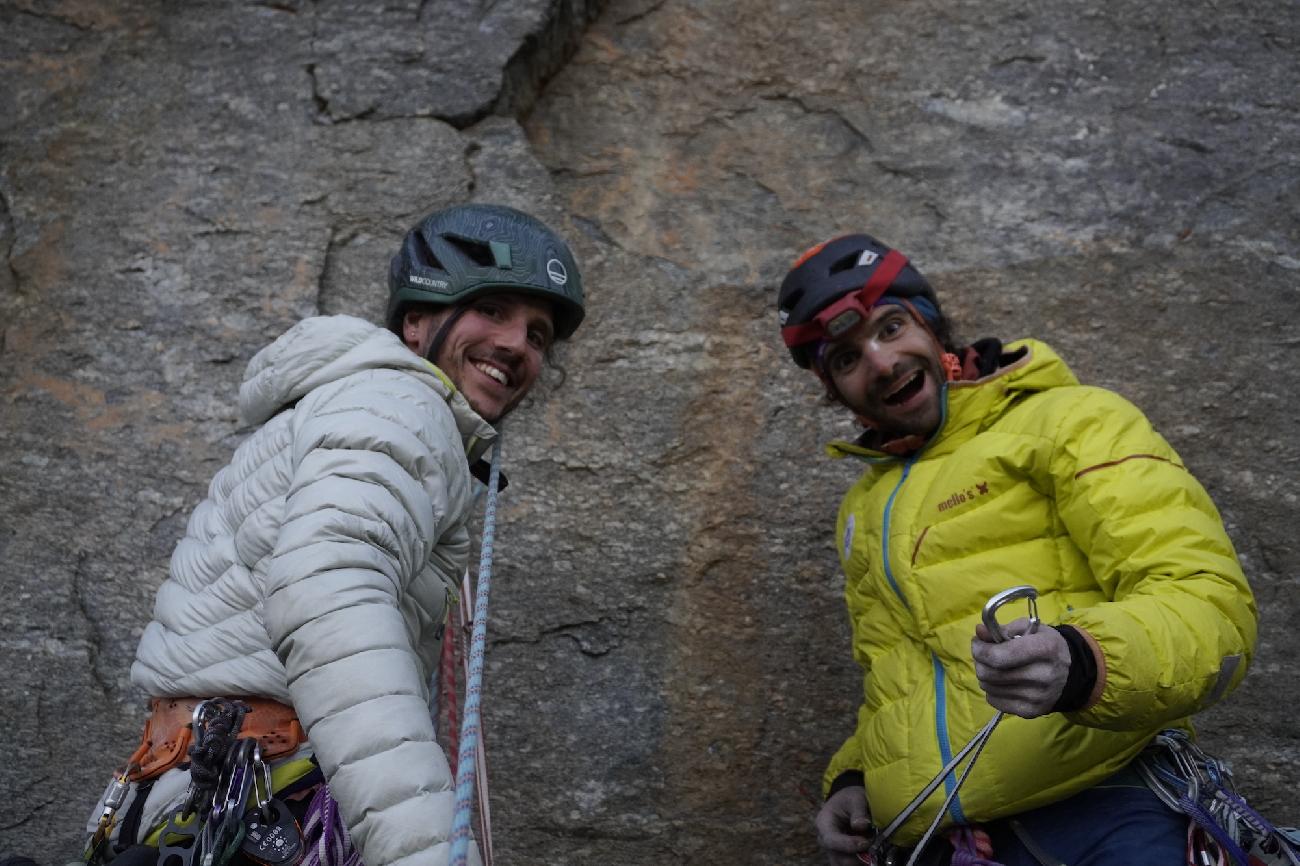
465, 768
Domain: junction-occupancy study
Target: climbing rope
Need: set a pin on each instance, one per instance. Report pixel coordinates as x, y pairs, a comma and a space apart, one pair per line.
216, 724
480, 753
326, 841
447, 676
971, 846
466, 764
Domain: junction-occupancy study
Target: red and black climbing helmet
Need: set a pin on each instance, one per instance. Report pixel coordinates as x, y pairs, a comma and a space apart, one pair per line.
829, 288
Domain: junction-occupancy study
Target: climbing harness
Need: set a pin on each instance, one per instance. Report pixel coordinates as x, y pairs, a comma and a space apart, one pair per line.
467, 762
882, 852
229, 806
1223, 828
206, 829
169, 732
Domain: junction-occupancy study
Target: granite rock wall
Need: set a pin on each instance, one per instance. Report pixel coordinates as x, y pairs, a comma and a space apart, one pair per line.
668, 667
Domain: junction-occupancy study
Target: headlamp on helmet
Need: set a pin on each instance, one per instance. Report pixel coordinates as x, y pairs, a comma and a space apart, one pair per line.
832, 287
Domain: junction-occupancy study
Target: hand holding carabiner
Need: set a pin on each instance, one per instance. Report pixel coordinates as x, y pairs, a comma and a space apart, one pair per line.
991, 631
1024, 676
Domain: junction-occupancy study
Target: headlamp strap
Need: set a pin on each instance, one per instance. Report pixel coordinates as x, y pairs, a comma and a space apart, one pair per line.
891, 264
882, 277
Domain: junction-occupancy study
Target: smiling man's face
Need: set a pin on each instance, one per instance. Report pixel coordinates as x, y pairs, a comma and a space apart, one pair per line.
494, 351
889, 371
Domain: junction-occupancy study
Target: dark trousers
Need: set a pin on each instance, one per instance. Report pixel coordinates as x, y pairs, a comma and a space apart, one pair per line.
1119, 822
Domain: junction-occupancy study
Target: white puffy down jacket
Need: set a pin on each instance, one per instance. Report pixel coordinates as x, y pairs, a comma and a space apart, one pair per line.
317, 571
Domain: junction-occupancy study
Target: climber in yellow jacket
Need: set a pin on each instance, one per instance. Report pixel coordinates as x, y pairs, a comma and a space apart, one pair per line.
985, 467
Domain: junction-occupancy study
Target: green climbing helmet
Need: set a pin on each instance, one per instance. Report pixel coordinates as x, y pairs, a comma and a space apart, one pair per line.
470, 250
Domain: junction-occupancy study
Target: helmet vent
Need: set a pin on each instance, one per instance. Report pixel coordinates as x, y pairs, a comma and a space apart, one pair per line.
424, 255
477, 252
846, 263
792, 300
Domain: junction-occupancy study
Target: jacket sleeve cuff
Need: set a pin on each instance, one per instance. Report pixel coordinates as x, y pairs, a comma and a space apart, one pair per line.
1087, 676
847, 779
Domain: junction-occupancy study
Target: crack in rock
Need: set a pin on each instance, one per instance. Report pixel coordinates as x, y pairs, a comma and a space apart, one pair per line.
94, 640
543, 54
285, 6
328, 262
32, 810
861, 136
641, 13
593, 637
66, 21
471, 149
9, 233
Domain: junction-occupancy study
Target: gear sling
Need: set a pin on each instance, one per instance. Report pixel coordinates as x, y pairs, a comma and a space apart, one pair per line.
230, 745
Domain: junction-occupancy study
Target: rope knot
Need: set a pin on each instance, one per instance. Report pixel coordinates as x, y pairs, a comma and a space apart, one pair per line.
971, 847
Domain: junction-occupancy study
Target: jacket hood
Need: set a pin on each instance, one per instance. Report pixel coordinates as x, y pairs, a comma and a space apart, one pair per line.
973, 404
324, 349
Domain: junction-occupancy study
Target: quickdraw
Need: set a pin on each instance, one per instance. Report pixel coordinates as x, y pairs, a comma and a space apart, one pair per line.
1223, 828
203, 827
113, 800
882, 852
229, 807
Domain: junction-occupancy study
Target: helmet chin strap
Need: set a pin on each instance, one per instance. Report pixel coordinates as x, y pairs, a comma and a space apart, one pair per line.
440, 336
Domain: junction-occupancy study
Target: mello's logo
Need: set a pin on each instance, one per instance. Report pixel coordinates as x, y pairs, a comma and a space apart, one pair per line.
981, 488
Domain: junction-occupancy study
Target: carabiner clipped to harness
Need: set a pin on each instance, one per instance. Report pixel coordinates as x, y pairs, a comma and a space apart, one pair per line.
1222, 826
877, 854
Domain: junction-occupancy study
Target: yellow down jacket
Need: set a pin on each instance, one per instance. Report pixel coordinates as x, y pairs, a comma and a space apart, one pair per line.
1031, 479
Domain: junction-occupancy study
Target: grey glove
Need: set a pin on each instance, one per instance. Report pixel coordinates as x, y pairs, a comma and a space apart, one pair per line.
1025, 674
844, 826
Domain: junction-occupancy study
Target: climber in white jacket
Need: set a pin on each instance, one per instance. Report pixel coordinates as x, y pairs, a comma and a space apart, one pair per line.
313, 581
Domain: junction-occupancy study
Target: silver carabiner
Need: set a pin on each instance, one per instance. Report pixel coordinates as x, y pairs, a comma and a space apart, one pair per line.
196, 717
972, 748
263, 801
990, 614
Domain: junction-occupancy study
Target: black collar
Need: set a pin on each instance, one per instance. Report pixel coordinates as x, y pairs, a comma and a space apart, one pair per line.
482, 470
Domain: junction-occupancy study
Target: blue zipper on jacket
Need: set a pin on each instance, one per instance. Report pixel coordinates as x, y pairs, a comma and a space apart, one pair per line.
889, 511
940, 676
941, 726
